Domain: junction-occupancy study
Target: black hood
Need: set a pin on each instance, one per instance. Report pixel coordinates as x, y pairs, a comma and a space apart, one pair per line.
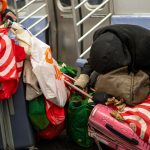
119, 45
108, 53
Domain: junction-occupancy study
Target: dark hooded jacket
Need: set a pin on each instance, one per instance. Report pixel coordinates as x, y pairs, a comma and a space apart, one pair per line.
119, 45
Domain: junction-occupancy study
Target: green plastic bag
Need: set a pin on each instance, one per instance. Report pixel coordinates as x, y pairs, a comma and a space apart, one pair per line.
67, 69
77, 120
37, 114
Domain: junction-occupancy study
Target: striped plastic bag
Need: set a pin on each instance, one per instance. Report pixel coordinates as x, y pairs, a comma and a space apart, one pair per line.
138, 118
11, 63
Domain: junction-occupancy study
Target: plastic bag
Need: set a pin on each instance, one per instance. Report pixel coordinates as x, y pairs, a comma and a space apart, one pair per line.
54, 113
78, 114
37, 113
51, 131
47, 72
11, 64
67, 69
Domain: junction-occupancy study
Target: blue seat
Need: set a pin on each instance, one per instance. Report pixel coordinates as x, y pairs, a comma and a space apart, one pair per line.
141, 20
38, 27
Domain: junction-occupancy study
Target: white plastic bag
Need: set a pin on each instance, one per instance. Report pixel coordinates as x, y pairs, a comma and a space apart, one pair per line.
47, 72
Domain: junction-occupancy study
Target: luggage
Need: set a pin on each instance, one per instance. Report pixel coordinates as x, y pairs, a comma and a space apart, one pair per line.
132, 87
15, 129
117, 135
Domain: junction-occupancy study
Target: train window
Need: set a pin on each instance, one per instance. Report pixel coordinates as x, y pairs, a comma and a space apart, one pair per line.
92, 4
65, 3
19, 3
95, 2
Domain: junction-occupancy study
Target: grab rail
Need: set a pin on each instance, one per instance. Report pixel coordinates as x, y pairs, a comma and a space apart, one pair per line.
77, 23
33, 12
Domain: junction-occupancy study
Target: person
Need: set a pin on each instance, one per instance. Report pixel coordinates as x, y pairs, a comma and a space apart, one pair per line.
115, 46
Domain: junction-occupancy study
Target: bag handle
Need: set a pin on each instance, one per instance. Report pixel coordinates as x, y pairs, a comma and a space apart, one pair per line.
119, 134
78, 89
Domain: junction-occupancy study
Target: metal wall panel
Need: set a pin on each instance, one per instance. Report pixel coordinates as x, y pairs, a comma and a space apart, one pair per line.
93, 20
131, 6
65, 33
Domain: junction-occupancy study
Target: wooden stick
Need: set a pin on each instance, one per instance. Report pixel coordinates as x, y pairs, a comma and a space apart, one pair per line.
79, 90
75, 80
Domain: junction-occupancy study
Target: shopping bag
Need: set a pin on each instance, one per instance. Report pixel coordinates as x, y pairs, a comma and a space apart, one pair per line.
138, 118
77, 120
54, 113
51, 131
47, 72
37, 113
11, 63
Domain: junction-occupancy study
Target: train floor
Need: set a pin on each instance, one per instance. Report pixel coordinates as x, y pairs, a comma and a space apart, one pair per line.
63, 143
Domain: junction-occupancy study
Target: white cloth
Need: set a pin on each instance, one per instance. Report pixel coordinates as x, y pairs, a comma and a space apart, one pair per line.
23, 36
32, 86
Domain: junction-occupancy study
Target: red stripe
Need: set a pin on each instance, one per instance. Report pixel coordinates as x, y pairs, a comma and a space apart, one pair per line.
8, 61
145, 118
138, 125
3, 47
143, 106
7, 76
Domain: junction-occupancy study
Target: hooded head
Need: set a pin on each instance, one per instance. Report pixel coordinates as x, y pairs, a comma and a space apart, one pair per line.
108, 53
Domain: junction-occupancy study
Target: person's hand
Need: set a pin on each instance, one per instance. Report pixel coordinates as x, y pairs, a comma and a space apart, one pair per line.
82, 81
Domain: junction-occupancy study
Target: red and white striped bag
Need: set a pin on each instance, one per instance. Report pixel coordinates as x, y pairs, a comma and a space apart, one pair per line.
138, 118
11, 63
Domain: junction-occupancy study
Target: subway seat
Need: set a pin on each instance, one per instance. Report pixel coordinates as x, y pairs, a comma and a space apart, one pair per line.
36, 28
141, 20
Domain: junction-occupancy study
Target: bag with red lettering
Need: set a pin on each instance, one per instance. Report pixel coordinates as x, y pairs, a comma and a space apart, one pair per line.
47, 72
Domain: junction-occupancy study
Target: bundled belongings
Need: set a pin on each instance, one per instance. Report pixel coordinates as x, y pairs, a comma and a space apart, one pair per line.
47, 118
45, 67
116, 46
132, 87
